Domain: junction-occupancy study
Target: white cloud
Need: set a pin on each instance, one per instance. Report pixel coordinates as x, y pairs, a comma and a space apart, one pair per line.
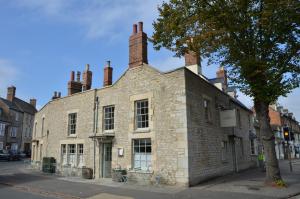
8, 75
97, 18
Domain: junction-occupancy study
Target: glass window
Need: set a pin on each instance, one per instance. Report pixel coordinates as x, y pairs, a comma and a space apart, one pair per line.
224, 150
2, 129
72, 154
142, 114
72, 123
64, 154
142, 154
109, 114
80, 157
13, 132
207, 110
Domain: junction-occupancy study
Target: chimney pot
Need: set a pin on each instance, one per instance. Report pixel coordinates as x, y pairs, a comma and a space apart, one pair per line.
140, 26
138, 54
59, 95
108, 70
72, 76
134, 29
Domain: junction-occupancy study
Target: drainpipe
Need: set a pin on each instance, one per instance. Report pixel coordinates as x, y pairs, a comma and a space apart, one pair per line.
95, 128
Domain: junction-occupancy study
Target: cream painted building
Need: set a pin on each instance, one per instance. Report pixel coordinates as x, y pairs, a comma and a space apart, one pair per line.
151, 123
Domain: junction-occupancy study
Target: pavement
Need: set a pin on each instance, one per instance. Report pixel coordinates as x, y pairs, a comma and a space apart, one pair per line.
18, 181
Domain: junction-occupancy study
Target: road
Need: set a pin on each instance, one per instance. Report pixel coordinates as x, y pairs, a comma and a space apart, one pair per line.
17, 182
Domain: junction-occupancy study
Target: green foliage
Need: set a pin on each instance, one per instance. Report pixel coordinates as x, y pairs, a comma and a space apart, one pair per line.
257, 40
280, 183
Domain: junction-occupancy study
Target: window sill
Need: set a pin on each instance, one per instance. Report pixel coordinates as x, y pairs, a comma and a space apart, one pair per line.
108, 132
139, 171
145, 130
72, 136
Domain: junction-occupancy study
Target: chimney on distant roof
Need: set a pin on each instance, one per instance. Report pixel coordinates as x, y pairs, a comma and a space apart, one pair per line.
11, 93
138, 47
74, 86
108, 70
33, 102
222, 73
87, 78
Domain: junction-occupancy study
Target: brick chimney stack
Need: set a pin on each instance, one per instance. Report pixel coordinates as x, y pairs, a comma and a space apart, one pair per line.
192, 62
74, 86
87, 78
108, 70
33, 102
222, 73
192, 58
11, 93
138, 47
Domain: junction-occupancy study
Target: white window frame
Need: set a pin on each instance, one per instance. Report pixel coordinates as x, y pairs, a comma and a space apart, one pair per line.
71, 154
109, 118
2, 129
142, 159
207, 110
142, 114
80, 155
72, 123
13, 132
224, 146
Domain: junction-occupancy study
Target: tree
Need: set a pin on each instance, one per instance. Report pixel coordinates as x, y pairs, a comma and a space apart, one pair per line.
258, 41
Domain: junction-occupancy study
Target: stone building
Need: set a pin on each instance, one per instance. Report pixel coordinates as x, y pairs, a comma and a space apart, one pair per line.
175, 125
16, 122
281, 118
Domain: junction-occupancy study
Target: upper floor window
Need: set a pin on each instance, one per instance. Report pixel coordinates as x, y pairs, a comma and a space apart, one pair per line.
207, 110
109, 114
2, 129
72, 123
17, 116
13, 132
142, 114
43, 124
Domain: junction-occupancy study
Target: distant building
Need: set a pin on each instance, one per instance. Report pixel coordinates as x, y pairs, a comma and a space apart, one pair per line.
176, 125
16, 122
281, 118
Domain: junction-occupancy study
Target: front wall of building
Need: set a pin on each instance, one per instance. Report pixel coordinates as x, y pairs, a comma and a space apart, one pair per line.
210, 146
167, 122
48, 138
167, 125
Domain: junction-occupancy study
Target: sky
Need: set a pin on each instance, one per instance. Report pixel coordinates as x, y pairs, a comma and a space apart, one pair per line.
42, 41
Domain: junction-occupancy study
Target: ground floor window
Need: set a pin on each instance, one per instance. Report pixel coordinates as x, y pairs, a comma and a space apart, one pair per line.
252, 147
64, 154
72, 154
142, 154
80, 155
14, 147
224, 145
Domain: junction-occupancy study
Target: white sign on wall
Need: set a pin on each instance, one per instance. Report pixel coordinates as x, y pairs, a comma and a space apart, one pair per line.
228, 118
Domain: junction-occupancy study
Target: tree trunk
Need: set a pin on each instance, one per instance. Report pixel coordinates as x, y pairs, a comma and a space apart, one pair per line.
268, 141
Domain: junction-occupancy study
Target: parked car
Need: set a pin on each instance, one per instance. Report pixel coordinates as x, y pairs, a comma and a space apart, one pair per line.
4, 155
22, 155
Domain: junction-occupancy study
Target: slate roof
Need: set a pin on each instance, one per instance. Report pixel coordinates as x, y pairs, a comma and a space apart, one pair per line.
19, 105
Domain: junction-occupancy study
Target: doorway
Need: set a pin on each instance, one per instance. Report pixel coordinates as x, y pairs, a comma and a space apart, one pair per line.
106, 160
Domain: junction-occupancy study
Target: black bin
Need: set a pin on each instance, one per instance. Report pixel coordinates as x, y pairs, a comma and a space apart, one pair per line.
49, 165
87, 173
